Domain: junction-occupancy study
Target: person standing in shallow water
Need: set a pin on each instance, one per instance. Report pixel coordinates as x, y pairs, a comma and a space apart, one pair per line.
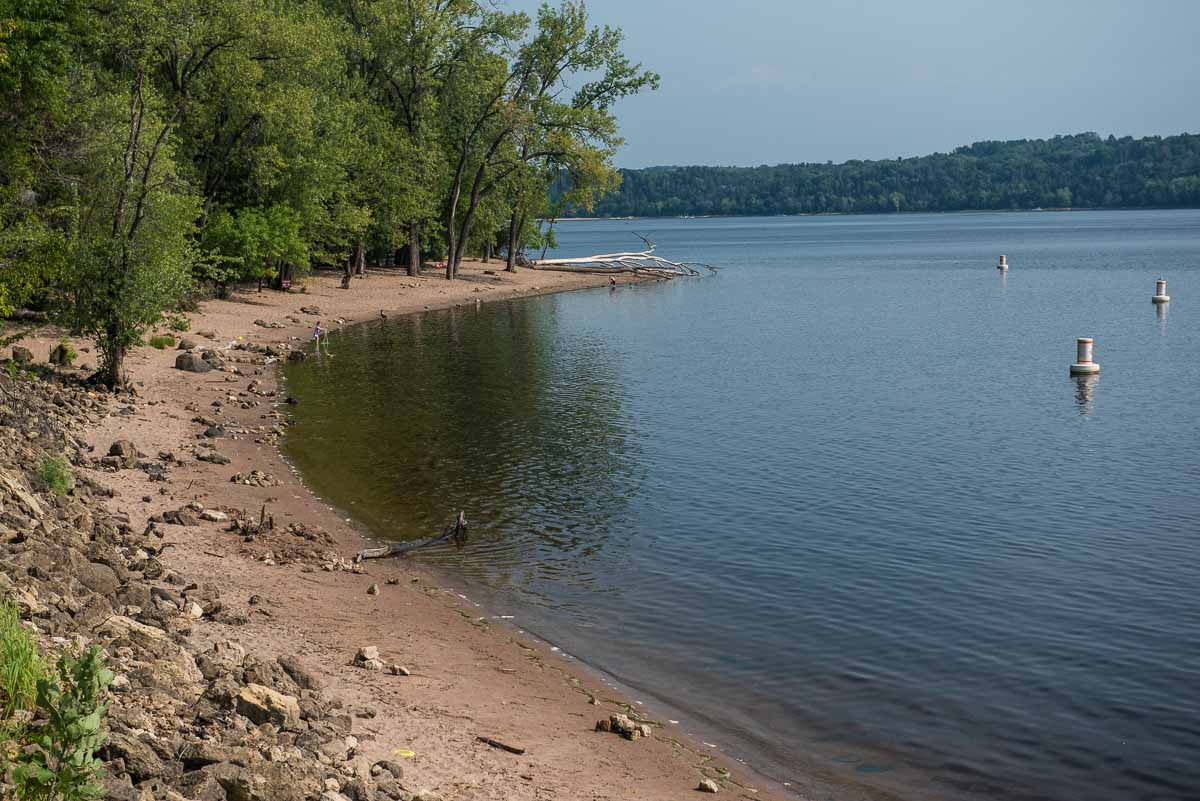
317, 333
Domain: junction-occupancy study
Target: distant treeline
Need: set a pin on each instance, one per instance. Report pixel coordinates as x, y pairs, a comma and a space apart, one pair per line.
1080, 171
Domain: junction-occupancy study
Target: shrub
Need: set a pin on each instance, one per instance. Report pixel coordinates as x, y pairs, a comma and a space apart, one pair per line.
21, 667
61, 765
179, 323
55, 473
162, 341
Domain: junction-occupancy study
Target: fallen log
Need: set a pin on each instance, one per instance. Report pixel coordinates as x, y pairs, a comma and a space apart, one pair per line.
641, 262
456, 532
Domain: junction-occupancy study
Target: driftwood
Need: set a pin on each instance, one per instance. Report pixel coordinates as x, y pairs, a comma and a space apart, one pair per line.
456, 532
512, 749
640, 262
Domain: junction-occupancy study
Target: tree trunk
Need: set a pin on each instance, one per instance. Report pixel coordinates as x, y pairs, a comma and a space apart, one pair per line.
360, 259
414, 249
514, 234
487, 252
112, 372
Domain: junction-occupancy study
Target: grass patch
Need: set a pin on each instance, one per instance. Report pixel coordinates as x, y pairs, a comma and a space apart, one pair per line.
21, 666
56, 474
162, 341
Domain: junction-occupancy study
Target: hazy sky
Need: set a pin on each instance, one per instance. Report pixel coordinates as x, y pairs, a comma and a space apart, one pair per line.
770, 81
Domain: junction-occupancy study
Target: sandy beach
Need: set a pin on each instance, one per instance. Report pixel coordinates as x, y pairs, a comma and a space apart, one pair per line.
471, 676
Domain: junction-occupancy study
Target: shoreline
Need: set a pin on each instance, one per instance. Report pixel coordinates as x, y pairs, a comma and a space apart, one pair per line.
469, 677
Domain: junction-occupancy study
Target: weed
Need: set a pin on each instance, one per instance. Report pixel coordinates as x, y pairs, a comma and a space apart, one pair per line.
162, 341
56, 474
61, 765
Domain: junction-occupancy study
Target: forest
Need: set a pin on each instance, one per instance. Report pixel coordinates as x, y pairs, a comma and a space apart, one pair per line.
153, 148
1080, 171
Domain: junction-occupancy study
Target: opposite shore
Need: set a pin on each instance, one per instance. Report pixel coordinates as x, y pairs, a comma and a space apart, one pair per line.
470, 676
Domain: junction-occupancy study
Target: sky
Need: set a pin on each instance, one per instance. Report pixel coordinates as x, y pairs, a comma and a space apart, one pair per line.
754, 82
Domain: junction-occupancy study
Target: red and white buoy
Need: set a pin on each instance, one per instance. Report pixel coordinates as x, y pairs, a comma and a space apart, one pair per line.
1003, 265
1160, 292
1083, 358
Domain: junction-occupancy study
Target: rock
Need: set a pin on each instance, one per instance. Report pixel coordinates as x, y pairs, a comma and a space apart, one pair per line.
141, 762
264, 705
212, 457
368, 658
207, 752
393, 768
186, 344
214, 432
124, 448
373, 589
399, 670
427, 795
98, 578
624, 726
193, 610
213, 358
708, 786
191, 363
213, 516
22, 355
303, 677
313, 310
296, 356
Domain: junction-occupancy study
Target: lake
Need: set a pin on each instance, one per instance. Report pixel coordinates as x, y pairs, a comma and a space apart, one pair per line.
839, 508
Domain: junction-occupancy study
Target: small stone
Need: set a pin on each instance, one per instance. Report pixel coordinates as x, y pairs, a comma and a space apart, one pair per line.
373, 589
22, 355
708, 786
193, 610
399, 670
393, 580
186, 344
213, 516
296, 356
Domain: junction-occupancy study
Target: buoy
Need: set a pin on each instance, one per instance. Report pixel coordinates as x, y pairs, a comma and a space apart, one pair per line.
1003, 265
1083, 358
1160, 292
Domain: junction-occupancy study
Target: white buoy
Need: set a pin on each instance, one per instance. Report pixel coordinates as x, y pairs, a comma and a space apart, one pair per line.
1160, 292
1083, 358
1003, 265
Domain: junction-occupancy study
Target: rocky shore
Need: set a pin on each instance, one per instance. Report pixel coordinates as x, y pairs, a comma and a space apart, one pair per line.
254, 659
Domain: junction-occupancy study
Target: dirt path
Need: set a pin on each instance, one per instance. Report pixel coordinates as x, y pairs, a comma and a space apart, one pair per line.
469, 676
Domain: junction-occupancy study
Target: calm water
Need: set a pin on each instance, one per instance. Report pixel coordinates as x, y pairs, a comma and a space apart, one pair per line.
840, 508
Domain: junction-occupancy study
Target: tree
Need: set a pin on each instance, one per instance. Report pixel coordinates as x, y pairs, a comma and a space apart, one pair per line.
131, 249
512, 114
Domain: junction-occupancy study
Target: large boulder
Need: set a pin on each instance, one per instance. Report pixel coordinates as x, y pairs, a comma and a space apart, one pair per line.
191, 363
22, 355
264, 705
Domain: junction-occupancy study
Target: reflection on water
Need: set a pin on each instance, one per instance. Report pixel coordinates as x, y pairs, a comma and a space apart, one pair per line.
1085, 391
1160, 313
482, 408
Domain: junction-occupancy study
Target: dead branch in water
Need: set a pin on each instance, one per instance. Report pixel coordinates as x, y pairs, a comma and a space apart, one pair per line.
456, 532
639, 262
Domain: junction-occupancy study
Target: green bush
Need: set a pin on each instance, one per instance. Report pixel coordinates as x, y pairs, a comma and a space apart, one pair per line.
56, 474
21, 668
59, 761
179, 323
162, 341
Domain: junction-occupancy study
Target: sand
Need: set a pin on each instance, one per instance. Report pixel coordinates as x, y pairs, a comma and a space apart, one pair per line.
471, 675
